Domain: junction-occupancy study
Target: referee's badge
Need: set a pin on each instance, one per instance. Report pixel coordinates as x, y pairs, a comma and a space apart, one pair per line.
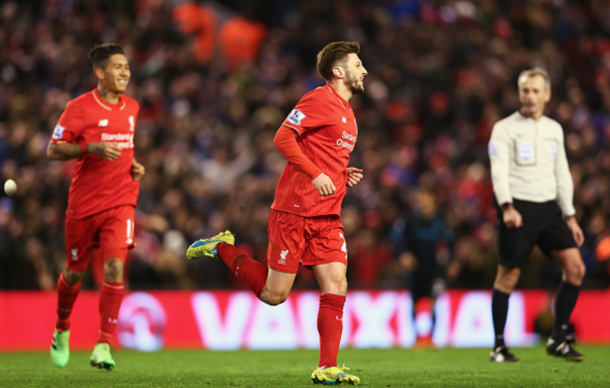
526, 153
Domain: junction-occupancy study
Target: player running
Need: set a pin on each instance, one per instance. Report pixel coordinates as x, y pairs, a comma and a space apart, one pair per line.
98, 129
304, 224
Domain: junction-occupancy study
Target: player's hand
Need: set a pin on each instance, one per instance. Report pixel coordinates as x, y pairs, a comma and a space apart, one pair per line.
579, 237
324, 185
137, 170
354, 175
512, 218
106, 150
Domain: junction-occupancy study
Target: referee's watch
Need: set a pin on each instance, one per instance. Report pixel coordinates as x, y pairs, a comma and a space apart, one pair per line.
506, 205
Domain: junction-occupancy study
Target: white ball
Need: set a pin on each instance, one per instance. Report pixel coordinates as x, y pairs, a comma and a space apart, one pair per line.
10, 187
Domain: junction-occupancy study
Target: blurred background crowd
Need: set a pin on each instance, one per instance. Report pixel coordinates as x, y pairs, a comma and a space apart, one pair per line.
215, 79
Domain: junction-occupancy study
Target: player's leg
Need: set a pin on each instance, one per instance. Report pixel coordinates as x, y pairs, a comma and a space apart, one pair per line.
270, 284
111, 297
116, 236
333, 282
79, 235
558, 242
327, 254
504, 284
561, 344
515, 246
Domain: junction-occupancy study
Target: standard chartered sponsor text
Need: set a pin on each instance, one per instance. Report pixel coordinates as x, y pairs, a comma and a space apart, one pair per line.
347, 136
117, 137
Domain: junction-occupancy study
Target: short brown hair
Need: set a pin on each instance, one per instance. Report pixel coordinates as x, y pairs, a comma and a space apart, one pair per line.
532, 73
101, 53
333, 53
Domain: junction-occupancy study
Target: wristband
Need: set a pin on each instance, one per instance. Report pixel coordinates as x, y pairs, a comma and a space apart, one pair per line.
84, 148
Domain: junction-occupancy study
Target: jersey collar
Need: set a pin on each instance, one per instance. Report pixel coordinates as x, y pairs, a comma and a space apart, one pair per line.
118, 106
332, 90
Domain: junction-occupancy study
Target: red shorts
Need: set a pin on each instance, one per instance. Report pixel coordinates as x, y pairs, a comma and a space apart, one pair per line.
308, 241
112, 231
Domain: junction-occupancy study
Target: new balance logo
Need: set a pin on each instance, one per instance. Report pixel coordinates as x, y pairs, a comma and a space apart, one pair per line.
74, 253
103, 123
283, 255
344, 119
113, 320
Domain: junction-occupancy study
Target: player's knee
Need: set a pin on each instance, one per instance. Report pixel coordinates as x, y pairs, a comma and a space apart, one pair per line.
506, 283
73, 277
276, 299
575, 273
113, 269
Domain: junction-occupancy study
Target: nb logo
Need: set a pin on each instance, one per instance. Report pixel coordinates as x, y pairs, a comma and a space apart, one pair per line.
283, 255
103, 123
344, 119
74, 253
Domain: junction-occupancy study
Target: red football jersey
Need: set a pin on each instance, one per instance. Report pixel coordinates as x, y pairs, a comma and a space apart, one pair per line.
99, 184
327, 132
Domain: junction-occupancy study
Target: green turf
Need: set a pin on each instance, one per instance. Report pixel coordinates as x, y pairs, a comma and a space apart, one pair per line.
376, 368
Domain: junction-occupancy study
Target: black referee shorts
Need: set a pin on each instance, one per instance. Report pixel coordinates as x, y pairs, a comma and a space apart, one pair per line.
543, 225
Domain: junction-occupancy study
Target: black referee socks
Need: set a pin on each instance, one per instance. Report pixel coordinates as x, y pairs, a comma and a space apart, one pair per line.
565, 300
499, 312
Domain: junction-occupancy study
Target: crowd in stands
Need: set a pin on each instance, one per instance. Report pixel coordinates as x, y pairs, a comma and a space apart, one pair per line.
441, 73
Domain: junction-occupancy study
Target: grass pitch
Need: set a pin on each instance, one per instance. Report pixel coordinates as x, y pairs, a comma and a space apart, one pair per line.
376, 368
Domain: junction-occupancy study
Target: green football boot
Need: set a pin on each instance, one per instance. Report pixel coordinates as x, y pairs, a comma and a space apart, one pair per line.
60, 349
334, 376
206, 247
101, 357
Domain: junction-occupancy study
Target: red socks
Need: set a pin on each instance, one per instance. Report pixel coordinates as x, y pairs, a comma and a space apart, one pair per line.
330, 315
111, 297
66, 296
330, 327
248, 270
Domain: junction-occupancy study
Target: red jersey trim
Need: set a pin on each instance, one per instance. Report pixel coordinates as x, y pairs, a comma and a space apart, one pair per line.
289, 126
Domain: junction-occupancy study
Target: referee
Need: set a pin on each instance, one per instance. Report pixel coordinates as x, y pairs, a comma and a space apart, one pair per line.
533, 189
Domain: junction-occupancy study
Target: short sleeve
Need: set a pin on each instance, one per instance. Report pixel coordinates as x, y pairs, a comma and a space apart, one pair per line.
308, 114
70, 124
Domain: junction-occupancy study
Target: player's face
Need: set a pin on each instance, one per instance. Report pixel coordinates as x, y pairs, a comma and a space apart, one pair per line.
117, 74
355, 73
533, 96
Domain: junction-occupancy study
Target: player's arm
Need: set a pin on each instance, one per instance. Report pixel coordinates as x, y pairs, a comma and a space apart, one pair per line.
499, 149
286, 142
67, 132
565, 192
59, 150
